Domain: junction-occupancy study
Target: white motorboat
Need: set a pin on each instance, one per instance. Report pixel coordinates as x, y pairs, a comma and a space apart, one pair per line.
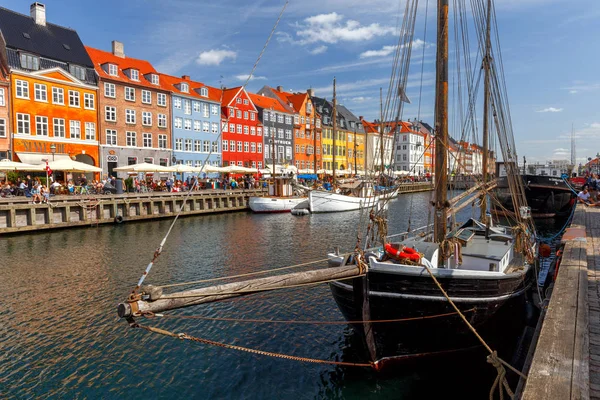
353, 196
282, 197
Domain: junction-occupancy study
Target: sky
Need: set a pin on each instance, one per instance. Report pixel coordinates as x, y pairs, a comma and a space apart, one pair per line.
550, 55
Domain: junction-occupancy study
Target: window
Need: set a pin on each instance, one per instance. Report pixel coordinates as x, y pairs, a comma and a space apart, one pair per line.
238, 100
196, 106
280, 133
205, 110
225, 146
40, 91
162, 120
178, 123
161, 99
232, 128
147, 139
197, 126
288, 119
41, 126
59, 127
73, 98
232, 145
23, 124
246, 130
77, 71
204, 92
245, 114
239, 128
112, 70
206, 146
280, 119
288, 134
109, 90
177, 102
2, 99
252, 116
273, 117
178, 144
259, 148
146, 97
88, 101
214, 109
154, 79
2, 128
197, 146
129, 94
185, 88
22, 89
131, 139
29, 61
129, 116
253, 130
253, 147
75, 129
215, 147
187, 124
259, 131
135, 74
214, 127
90, 131
187, 107
111, 137
162, 141
146, 118
231, 112
239, 146
58, 96
239, 113
205, 126
224, 127
131, 160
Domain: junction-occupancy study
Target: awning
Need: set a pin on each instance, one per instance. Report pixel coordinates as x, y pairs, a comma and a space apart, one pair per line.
36, 158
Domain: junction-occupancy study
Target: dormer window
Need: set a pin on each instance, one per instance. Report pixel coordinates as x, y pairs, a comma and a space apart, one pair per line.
77, 71
29, 61
112, 70
204, 92
185, 87
134, 74
239, 100
154, 79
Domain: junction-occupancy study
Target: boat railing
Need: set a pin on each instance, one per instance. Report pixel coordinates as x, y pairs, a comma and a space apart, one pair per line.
404, 235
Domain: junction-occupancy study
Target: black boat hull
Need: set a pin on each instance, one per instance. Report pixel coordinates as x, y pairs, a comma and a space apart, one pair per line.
496, 308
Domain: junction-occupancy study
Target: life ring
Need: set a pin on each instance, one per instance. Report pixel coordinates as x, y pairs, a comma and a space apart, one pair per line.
118, 219
405, 253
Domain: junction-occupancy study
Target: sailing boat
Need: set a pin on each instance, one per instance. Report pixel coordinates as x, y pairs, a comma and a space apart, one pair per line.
486, 270
355, 195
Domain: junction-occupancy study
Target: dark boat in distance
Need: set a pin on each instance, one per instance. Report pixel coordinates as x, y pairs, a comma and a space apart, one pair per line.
547, 196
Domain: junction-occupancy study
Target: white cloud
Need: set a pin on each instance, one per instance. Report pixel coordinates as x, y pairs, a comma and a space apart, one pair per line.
215, 57
573, 91
387, 50
331, 28
319, 50
579, 86
550, 109
360, 99
244, 77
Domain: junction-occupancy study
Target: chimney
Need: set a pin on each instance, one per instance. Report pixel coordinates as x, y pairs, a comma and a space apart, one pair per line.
185, 77
311, 92
118, 49
361, 117
37, 11
280, 88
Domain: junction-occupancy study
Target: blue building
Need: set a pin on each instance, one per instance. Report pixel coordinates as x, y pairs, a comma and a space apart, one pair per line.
196, 121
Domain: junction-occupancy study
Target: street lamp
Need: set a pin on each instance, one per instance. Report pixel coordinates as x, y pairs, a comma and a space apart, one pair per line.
52, 150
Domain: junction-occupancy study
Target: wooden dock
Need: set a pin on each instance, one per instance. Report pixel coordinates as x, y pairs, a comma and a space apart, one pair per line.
566, 362
17, 214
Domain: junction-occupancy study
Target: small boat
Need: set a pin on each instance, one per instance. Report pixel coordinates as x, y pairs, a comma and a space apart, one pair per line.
351, 196
282, 197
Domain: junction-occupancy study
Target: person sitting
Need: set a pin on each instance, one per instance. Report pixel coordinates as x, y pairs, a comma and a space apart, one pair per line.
584, 196
55, 187
6, 190
71, 187
35, 192
21, 189
44, 194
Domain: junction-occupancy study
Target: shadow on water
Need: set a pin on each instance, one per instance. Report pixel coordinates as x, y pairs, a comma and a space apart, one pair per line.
60, 336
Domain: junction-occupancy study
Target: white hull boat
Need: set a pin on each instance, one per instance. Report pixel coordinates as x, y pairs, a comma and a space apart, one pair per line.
270, 204
322, 202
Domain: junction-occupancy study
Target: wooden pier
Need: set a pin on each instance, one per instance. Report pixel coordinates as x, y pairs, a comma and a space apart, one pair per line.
566, 362
17, 214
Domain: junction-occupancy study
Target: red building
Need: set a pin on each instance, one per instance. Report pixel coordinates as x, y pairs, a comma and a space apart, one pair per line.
242, 132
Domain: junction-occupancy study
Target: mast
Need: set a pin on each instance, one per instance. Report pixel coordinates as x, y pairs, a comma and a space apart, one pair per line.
381, 128
314, 110
441, 124
273, 141
366, 160
334, 116
355, 145
486, 107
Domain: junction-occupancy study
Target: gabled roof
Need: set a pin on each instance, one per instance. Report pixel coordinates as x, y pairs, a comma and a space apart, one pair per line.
51, 41
171, 83
101, 57
282, 97
264, 102
232, 93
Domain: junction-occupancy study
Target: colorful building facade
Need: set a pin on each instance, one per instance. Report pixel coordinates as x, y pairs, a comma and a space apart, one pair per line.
242, 137
196, 121
53, 90
4, 116
135, 111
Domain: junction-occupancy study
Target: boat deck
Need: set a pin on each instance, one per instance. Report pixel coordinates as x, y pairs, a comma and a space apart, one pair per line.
566, 362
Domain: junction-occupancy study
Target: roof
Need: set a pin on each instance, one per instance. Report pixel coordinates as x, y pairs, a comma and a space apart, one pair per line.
101, 57
170, 83
229, 95
281, 97
265, 102
51, 41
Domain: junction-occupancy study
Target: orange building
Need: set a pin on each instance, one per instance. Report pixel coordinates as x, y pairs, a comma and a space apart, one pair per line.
53, 89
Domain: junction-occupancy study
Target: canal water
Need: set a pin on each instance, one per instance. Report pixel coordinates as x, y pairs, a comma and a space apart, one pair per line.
60, 336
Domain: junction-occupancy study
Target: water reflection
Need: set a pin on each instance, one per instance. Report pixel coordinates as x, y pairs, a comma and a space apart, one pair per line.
60, 335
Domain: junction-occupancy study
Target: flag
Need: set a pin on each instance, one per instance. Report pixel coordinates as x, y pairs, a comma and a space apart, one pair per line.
48, 170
